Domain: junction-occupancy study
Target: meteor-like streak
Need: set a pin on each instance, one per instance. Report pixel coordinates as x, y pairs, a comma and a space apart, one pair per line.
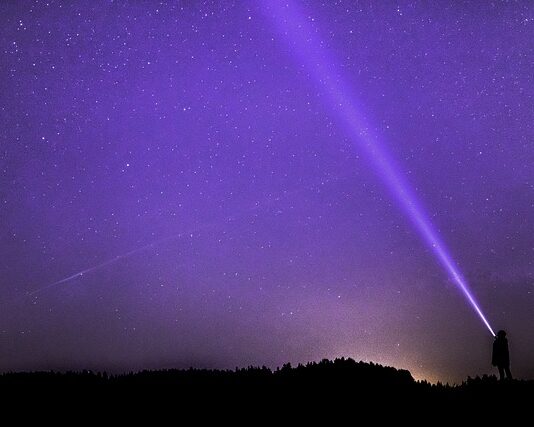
304, 41
266, 201
119, 257
99, 266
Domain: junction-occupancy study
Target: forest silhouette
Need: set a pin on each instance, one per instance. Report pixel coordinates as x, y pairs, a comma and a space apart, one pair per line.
339, 383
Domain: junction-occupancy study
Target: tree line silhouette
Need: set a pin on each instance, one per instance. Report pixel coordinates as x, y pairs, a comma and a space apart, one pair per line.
336, 383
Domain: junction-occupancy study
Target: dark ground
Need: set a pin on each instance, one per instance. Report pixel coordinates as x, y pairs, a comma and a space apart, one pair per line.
341, 387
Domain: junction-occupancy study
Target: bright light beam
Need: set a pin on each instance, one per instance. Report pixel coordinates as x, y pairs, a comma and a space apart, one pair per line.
303, 40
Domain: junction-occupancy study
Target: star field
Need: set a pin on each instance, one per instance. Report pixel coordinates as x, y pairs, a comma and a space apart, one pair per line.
183, 158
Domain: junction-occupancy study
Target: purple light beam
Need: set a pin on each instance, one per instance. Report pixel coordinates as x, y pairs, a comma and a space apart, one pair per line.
303, 39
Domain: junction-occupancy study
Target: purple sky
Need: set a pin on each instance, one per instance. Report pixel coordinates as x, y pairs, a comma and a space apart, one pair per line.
189, 153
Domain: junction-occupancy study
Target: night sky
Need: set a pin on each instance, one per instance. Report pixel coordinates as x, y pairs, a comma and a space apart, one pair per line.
187, 158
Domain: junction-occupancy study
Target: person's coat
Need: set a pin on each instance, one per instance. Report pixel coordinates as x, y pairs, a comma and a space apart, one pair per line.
500, 355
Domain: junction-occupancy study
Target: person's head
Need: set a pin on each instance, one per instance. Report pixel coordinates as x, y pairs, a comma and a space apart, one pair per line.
501, 334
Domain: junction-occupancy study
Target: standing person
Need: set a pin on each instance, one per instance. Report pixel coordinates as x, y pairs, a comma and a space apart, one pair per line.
501, 355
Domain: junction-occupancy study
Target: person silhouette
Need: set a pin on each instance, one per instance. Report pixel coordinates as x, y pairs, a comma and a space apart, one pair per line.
501, 357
